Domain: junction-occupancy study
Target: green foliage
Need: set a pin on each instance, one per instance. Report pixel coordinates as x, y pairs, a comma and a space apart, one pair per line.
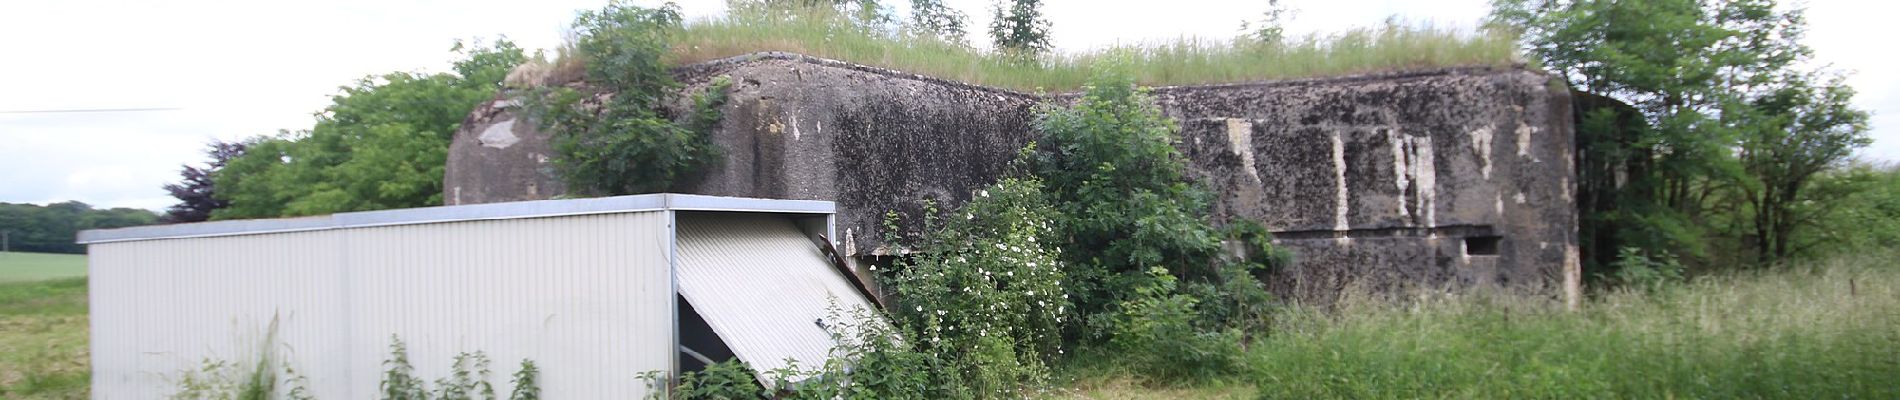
52, 227
1019, 28
266, 377
382, 143
1156, 330
527, 382
399, 377
618, 141
931, 18
986, 294
467, 380
1640, 271
1864, 218
1122, 193
725, 380
1272, 25
1716, 156
873, 360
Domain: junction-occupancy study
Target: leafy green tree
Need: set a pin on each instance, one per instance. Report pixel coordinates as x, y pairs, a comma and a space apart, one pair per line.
1709, 134
1798, 131
932, 18
1019, 28
382, 143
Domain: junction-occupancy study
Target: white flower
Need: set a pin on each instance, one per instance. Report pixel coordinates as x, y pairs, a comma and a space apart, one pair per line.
984, 193
1040, 303
1000, 246
920, 308
1032, 239
1032, 293
874, 268
969, 216
940, 312
1032, 264
1010, 273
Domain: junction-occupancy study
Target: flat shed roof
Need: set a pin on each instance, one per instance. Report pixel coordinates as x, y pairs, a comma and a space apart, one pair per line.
472, 212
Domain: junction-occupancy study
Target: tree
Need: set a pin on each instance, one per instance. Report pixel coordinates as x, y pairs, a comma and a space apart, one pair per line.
382, 143
1794, 133
932, 18
1705, 83
1019, 28
53, 228
1272, 26
196, 193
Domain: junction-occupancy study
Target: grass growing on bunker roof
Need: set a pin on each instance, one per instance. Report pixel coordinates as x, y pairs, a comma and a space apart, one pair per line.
1184, 61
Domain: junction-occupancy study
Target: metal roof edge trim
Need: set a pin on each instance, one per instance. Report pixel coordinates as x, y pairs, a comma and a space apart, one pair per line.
471, 212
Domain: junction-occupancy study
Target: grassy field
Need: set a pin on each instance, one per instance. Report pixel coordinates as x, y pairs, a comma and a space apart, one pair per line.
43, 339
1828, 330
18, 267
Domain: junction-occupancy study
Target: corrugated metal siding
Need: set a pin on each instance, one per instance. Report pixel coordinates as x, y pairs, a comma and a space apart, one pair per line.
161, 308
762, 285
588, 298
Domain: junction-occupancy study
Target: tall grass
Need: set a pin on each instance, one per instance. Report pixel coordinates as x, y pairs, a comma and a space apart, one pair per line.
43, 340
1183, 61
1825, 331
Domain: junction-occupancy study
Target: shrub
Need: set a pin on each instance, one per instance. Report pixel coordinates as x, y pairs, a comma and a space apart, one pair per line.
1636, 270
527, 382
1157, 333
986, 295
1127, 205
615, 138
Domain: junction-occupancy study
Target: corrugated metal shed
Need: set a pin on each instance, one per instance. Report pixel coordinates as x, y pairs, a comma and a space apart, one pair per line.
586, 288
765, 288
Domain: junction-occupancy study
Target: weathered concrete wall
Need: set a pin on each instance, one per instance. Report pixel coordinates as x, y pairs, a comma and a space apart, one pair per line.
499, 155
1383, 181
1372, 180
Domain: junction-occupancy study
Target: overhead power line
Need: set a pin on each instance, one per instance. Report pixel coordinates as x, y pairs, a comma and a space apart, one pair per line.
89, 110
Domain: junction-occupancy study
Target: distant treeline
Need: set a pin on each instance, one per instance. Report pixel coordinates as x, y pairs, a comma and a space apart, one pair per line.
52, 228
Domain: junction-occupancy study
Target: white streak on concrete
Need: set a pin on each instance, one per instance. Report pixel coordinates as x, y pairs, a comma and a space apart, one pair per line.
1425, 177
500, 135
1401, 173
795, 134
1519, 197
1240, 142
1342, 198
1524, 140
1481, 142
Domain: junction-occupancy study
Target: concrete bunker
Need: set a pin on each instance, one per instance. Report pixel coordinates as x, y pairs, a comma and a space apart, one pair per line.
1382, 181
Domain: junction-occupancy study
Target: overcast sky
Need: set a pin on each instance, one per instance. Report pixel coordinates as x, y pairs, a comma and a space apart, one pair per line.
243, 68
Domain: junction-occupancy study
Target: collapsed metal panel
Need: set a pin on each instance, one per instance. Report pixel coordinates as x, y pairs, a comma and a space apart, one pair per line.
765, 289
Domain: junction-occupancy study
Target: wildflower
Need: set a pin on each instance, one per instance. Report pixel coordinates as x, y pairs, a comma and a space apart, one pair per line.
969, 216
984, 193
920, 308
874, 267
1032, 264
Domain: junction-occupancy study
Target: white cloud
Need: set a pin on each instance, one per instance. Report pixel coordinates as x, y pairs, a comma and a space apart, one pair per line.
249, 68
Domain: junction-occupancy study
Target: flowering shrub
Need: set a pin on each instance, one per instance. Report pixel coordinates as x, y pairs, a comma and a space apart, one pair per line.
987, 294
